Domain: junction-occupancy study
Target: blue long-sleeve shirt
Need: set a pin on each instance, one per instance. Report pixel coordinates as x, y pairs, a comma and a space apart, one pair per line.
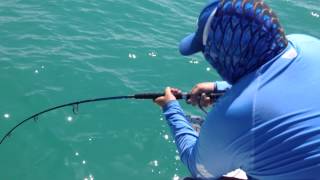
267, 124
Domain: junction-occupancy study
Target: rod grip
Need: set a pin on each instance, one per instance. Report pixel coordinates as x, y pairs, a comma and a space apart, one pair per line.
154, 95
178, 96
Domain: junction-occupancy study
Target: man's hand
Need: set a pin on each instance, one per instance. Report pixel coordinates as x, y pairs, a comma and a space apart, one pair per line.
168, 96
198, 94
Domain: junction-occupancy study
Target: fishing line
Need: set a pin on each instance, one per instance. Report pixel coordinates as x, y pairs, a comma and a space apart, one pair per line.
75, 106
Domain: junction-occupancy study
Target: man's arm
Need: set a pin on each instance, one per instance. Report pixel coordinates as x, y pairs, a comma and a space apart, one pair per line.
184, 135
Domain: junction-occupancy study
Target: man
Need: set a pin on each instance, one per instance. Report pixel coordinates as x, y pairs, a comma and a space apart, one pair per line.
268, 122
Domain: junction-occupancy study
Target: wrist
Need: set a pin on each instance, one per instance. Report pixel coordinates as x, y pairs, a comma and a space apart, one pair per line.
214, 86
169, 104
221, 86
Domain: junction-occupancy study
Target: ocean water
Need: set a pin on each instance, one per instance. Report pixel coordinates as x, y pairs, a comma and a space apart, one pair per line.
54, 52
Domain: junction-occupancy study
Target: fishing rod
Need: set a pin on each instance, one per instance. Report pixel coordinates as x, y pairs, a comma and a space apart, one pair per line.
76, 104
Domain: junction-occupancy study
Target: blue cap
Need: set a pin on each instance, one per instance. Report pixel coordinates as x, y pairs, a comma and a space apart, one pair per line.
193, 43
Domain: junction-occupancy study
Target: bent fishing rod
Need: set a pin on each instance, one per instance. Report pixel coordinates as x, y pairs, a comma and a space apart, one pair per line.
76, 104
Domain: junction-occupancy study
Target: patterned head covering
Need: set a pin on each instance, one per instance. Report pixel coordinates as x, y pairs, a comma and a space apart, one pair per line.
236, 37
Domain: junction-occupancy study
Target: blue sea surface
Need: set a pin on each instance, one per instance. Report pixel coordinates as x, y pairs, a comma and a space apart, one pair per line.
53, 52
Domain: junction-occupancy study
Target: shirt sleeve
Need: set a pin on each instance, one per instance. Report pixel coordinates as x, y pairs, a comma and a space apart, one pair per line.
184, 135
222, 86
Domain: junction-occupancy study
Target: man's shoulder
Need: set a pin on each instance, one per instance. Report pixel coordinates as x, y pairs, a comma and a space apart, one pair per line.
307, 46
303, 39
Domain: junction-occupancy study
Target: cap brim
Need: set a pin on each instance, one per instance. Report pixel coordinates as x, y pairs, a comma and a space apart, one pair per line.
190, 45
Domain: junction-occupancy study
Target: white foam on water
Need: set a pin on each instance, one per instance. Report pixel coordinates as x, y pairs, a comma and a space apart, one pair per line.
166, 136
152, 54
132, 56
155, 163
89, 178
69, 118
175, 177
194, 61
314, 14
6, 115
